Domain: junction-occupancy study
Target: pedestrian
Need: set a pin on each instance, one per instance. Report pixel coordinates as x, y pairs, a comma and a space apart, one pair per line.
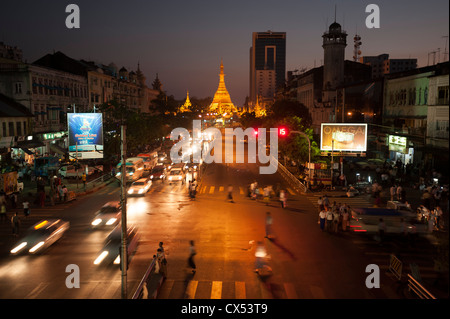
3, 212
162, 263
322, 218
283, 198
230, 193
266, 194
438, 214
191, 196
14, 200
261, 266
269, 222
326, 201
393, 191
345, 216
26, 208
15, 223
320, 203
399, 192
64, 188
192, 253
329, 219
335, 220
83, 178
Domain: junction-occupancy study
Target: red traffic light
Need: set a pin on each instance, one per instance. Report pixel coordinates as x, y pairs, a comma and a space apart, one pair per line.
283, 131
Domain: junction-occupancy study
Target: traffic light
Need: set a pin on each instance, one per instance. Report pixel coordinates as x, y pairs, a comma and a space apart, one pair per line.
255, 132
283, 131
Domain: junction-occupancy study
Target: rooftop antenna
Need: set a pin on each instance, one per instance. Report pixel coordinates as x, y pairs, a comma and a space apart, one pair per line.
445, 48
335, 12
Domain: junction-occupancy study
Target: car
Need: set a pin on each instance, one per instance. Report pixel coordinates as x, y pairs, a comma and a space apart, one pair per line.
110, 253
158, 173
40, 236
176, 174
109, 215
140, 187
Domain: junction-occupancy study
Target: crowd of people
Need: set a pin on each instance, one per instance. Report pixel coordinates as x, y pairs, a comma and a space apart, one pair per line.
333, 217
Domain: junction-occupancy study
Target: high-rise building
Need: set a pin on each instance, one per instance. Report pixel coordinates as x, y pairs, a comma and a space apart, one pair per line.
267, 65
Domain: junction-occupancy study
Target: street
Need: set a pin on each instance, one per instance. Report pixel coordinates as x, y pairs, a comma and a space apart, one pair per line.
306, 262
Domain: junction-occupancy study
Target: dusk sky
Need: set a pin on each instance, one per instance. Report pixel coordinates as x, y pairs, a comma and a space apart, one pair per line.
183, 41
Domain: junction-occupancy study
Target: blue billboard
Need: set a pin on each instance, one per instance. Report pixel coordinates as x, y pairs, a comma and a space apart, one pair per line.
85, 135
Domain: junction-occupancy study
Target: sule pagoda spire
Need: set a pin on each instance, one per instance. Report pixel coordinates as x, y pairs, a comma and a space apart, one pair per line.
221, 103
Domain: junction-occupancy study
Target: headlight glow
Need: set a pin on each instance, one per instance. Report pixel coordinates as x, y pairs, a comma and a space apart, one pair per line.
117, 260
18, 247
100, 258
36, 247
130, 191
96, 222
141, 191
111, 221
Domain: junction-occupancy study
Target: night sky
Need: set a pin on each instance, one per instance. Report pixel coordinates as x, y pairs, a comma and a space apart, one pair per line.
184, 41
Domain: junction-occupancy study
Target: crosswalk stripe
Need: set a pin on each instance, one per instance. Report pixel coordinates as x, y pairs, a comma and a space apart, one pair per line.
211, 189
221, 189
241, 191
191, 289
216, 290
239, 288
203, 190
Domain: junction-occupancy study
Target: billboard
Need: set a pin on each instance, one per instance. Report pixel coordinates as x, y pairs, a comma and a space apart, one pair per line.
85, 135
346, 137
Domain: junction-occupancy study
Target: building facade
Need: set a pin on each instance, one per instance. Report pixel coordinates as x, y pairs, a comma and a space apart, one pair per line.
382, 65
267, 66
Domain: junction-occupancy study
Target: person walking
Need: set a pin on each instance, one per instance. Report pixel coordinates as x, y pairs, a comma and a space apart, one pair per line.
399, 192
161, 262
15, 223
192, 253
381, 230
320, 203
269, 222
345, 217
230, 193
438, 214
335, 220
26, 208
393, 191
329, 219
3, 212
283, 198
322, 218
326, 201
266, 193
83, 178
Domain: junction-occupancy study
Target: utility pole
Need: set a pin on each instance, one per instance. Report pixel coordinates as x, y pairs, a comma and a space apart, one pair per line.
123, 198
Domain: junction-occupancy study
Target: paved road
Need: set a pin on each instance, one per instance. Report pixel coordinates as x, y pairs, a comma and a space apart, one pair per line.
306, 262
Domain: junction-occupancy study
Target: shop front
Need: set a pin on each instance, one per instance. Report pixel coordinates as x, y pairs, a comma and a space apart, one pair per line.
400, 149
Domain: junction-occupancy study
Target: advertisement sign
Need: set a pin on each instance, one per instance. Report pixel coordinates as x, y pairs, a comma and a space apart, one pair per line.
85, 135
343, 137
398, 144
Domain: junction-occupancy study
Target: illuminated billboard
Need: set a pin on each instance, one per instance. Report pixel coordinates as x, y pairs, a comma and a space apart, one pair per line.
343, 137
85, 135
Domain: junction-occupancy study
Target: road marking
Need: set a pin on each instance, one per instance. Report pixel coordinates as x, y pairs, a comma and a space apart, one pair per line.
191, 289
36, 291
216, 290
290, 291
203, 190
220, 188
211, 189
110, 193
241, 190
239, 288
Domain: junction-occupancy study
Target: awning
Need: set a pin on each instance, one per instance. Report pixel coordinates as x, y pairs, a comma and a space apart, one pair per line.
58, 149
7, 141
26, 150
30, 144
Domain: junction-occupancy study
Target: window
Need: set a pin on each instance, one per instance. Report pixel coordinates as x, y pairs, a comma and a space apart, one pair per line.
11, 129
442, 95
18, 88
19, 128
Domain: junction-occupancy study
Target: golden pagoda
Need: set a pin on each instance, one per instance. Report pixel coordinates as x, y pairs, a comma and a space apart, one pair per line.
221, 103
187, 104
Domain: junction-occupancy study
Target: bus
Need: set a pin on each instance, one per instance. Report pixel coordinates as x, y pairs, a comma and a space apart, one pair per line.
134, 169
150, 160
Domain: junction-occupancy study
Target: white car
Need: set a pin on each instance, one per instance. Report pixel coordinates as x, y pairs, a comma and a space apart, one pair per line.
110, 253
140, 187
176, 175
109, 215
40, 236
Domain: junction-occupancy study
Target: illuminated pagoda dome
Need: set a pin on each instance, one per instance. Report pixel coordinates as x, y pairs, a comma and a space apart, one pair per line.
221, 103
186, 106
